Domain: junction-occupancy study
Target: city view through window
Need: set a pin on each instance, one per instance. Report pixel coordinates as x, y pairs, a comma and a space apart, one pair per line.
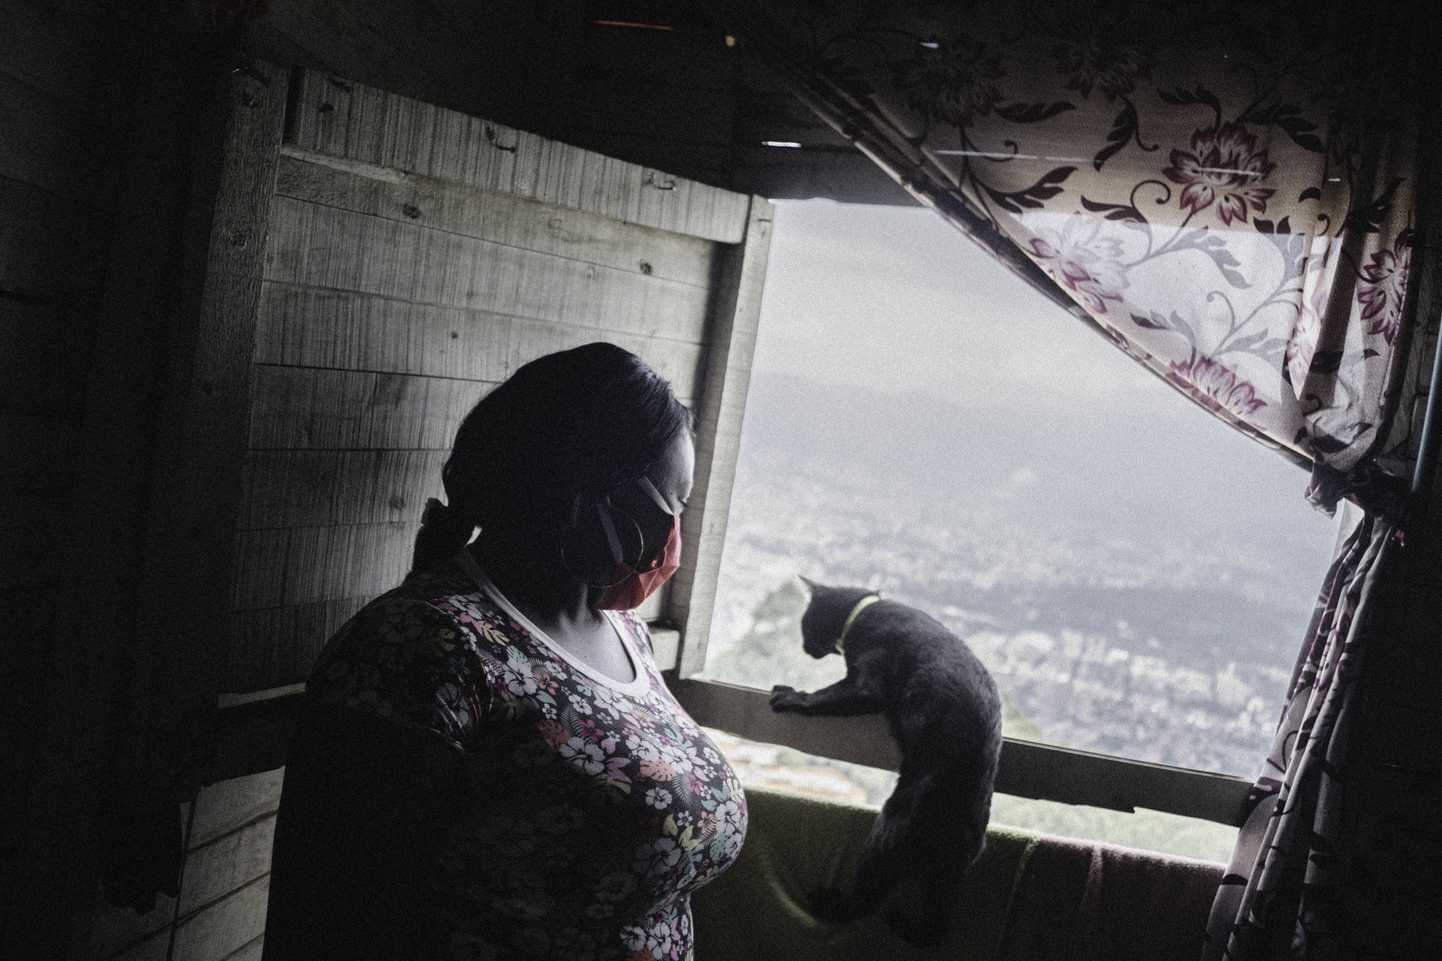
1136, 576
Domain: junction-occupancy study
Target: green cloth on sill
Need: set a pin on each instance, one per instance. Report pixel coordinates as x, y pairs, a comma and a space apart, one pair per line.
794, 844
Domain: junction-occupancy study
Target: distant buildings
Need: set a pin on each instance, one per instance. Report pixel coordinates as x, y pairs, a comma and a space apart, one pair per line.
1200, 687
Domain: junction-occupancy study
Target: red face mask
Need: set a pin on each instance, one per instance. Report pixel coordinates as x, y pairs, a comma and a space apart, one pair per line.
635, 586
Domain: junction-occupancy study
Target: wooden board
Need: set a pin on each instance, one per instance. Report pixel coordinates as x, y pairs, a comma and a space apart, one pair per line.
345, 119
493, 216
1027, 769
314, 409
318, 246
722, 405
72, 51
270, 647
415, 261
229, 805
302, 488
219, 929
51, 249
665, 644
317, 327
44, 356
52, 144
38, 455
227, 863
300, 407
586, 180
356, 122
187, 581
282, 567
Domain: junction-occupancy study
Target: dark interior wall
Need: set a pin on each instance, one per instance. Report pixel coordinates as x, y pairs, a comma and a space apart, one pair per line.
67, 85
99, 103
655, 83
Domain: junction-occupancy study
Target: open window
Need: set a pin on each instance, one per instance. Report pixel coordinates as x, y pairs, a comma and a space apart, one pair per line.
920, 421
1230, 290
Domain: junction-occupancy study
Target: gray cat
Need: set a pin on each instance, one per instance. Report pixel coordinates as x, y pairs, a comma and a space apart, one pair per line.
943, 710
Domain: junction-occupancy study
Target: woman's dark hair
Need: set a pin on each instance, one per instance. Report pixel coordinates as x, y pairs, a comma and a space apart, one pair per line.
576, 422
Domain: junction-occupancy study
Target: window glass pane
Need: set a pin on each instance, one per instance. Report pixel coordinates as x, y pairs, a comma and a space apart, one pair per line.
1136, 575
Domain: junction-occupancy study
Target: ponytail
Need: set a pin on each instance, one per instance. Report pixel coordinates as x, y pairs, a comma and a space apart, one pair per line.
444, 531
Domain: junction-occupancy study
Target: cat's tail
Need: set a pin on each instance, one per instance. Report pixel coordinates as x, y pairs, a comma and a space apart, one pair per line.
981, 773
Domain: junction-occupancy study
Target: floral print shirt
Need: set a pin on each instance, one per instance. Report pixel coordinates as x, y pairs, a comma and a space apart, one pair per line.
594, 806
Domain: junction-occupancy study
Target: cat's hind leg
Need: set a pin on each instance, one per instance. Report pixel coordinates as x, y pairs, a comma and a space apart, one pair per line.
924, 918
880, 866
877, 872
921, 913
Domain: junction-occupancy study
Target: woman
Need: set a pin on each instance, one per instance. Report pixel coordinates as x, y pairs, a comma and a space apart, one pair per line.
488, 764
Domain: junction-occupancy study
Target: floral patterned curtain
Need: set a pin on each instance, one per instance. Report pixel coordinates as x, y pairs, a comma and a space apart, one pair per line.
1219, 188
1285, 891
1226, 191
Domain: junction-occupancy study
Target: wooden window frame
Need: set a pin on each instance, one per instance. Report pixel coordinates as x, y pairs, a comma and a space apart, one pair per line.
251, 730
1027, 769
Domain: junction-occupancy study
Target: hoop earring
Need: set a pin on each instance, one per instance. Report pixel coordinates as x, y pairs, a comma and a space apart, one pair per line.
611, 547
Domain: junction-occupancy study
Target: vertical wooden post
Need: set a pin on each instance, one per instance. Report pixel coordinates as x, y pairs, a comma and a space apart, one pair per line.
186, 589
721, 405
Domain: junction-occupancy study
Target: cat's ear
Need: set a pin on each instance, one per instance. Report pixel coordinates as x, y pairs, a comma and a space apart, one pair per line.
810, 584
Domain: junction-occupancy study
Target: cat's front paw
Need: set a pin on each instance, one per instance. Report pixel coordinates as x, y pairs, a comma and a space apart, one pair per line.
785, 698
830, 905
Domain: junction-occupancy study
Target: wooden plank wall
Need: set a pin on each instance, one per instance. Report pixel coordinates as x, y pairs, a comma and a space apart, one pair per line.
67, 80
417, 257
64, 82
219, 914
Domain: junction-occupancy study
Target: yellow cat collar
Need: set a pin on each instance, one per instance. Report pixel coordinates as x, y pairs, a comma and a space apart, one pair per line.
861, 605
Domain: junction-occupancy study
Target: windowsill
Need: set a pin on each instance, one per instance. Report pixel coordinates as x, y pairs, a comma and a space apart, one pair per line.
252, 736
1028, 769
665, 645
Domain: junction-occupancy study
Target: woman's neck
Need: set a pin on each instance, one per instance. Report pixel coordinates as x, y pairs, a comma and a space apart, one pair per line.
548, 595
556, 602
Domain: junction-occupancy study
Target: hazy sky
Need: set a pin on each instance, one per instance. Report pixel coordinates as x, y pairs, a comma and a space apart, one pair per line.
895, 296
896, 299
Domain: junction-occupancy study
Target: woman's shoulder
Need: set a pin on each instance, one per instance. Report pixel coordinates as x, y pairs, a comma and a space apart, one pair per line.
451, 594
413, 656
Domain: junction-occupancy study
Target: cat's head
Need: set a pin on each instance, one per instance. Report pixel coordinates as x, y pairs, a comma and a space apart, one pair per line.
826, 615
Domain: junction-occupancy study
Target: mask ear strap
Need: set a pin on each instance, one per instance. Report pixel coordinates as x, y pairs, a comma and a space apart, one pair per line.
645, 484
617, 554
